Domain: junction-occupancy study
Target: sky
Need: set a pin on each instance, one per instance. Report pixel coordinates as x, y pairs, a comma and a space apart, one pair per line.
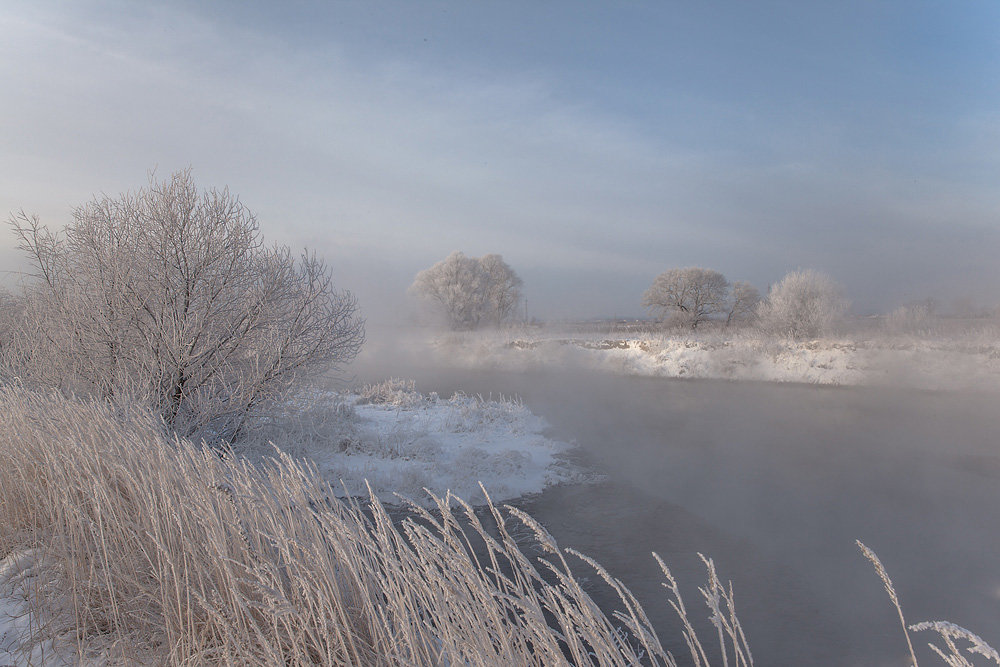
593, 145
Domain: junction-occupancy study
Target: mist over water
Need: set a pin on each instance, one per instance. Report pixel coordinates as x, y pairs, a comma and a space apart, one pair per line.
775, 482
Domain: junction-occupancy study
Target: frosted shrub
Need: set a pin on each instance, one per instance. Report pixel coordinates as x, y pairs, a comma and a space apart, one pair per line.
169, 295
805, 304
908, 320
744, 299
396, 392
470, 413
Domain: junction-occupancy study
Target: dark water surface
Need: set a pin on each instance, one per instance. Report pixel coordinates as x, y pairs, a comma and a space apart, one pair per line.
775, 483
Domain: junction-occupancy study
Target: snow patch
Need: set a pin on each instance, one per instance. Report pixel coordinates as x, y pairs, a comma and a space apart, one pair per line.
23, 640
399, 440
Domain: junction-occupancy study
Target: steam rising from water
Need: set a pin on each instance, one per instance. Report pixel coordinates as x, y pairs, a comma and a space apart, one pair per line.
775, 482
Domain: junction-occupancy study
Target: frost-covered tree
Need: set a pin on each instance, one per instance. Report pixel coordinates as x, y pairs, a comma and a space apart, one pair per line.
469, 291
743, 301
170, 295
456, 287
691, 295
804, 304
503, 289
909, 318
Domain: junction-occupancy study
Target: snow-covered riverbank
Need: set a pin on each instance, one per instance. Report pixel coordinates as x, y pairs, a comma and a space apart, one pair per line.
398, 440
912, 362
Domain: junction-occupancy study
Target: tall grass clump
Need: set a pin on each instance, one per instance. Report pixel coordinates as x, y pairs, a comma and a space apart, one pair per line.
395, 392
153, 550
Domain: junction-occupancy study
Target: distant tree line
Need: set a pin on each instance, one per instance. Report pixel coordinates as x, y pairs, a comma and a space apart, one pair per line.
804, 304
469, 292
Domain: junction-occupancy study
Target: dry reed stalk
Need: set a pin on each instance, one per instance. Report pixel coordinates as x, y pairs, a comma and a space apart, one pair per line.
157, 551
887, 582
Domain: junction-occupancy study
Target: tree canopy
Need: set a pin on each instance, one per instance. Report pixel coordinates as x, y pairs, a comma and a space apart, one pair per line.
469, 291
169, 294
690, 295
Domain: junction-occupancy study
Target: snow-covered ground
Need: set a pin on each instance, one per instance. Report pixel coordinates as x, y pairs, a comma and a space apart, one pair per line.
909, 361
23, 639
399, 440
16, 620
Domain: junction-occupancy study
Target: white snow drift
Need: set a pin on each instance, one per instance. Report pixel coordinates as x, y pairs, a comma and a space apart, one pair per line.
398, 440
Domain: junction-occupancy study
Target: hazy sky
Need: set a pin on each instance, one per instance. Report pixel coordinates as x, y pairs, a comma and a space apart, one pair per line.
593, 145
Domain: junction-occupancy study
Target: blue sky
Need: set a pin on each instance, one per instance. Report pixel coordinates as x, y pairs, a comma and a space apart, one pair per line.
593, 145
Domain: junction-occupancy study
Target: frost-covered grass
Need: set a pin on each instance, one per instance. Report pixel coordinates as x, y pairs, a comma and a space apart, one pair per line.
393, 439
121, 546
937, 354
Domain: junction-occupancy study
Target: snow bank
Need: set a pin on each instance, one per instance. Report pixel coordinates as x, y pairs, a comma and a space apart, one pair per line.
19, 625
16, 621
399, 440
911, 362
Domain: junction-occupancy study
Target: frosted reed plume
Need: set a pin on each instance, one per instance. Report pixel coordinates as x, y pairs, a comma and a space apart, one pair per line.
948, 631
951, 633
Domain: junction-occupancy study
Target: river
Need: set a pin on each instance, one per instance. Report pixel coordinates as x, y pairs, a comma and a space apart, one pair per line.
774, 482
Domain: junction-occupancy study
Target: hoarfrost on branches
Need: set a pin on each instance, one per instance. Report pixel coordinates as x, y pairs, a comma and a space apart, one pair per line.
469, 291
805, 304
688, 296
169, 295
